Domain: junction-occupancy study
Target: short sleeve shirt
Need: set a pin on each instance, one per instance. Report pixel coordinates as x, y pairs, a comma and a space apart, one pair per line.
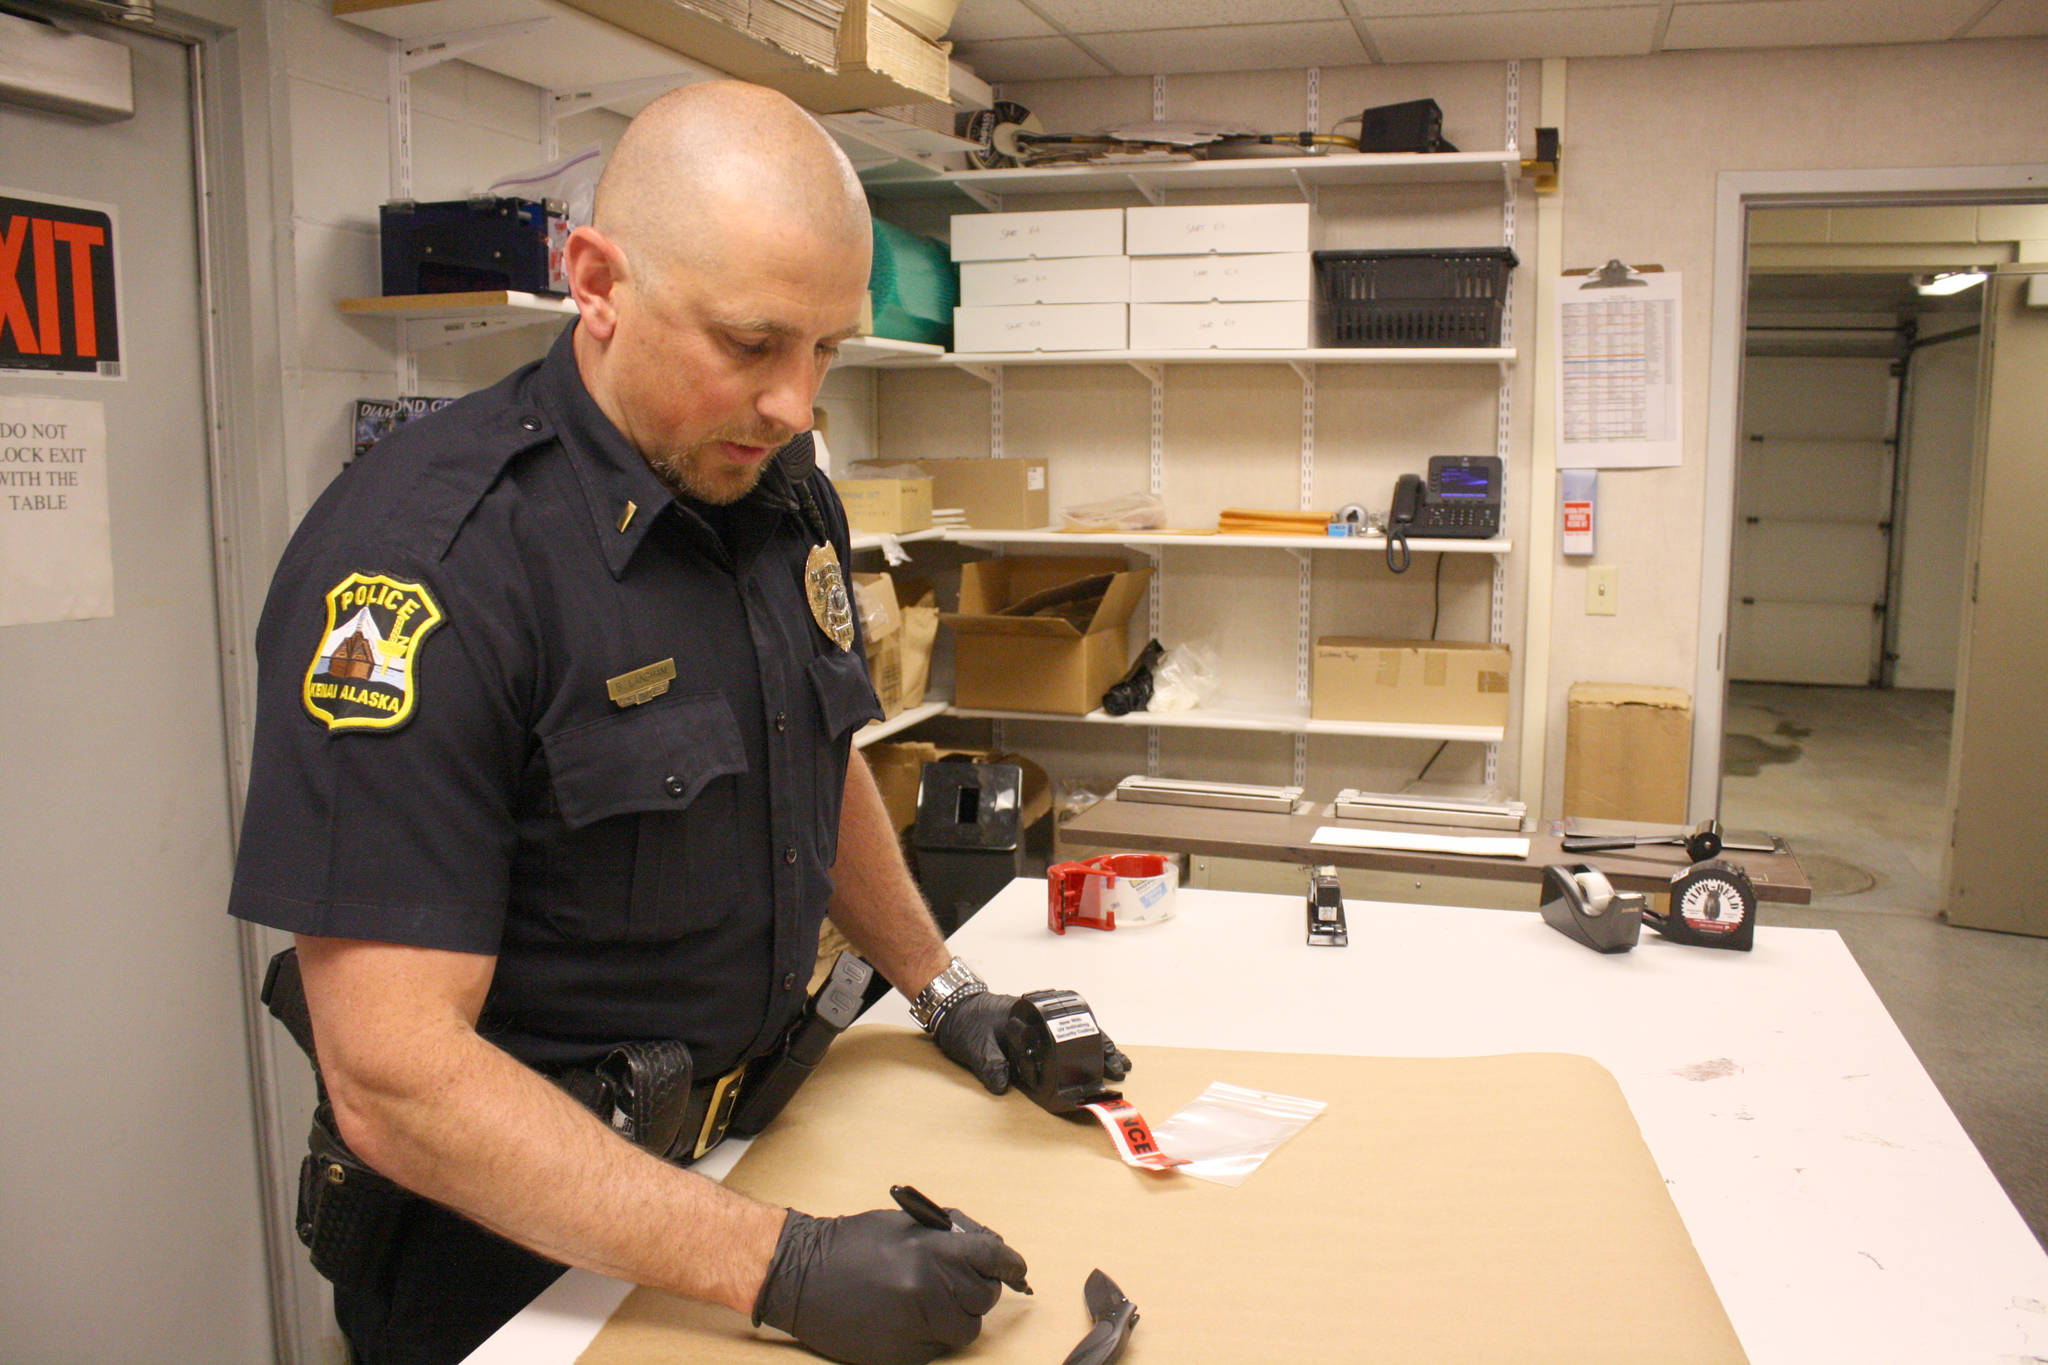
515, 699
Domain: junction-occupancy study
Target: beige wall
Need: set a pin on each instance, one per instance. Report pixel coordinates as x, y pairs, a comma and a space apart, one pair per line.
1643, 142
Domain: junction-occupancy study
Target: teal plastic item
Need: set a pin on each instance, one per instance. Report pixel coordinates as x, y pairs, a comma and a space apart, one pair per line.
915, 286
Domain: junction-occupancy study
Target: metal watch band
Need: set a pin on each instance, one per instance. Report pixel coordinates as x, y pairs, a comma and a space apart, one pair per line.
949, 987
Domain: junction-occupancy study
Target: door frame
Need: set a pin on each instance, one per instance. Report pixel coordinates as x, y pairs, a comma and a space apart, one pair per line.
242, 207
1736, 192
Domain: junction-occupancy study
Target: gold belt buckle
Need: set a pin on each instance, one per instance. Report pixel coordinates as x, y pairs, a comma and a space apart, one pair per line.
718, 1113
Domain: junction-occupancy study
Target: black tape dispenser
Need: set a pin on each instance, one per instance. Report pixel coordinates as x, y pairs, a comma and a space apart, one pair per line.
1055, 1051
1580, 903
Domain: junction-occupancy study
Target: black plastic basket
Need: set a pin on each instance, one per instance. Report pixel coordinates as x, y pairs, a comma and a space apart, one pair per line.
1442, 297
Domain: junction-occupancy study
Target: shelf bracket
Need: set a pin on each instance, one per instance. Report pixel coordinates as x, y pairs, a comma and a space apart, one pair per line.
1154, 195
990, 203
1304, 370
990, 375
448, 46
1151, 369
569, 103
1307, 188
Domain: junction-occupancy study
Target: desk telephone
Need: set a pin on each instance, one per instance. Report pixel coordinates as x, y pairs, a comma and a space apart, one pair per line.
1459, 499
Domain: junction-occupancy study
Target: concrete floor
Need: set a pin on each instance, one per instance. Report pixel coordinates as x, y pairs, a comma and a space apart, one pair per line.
1854, 780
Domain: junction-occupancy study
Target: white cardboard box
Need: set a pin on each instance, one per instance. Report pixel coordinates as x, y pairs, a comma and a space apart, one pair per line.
1068, 279
1223, 278
1042, 327
1189, 230
1223, 326
1025, 236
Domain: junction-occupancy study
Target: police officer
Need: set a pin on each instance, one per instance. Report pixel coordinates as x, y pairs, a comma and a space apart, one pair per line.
553, 754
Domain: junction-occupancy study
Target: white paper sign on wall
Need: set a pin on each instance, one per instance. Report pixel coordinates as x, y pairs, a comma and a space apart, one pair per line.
56, 552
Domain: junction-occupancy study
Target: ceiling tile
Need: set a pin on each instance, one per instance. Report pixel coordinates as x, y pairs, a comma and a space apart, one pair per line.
976, 20
1815, 23
1128, 16
1240, 47
1029, 59
1617, 31
2013, 19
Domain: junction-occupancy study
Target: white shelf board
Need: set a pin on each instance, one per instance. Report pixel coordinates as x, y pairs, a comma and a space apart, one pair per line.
858, 351
1152, 177
1321, 355
872, 540
1204, 541
1286, 718
902, 720
476, 306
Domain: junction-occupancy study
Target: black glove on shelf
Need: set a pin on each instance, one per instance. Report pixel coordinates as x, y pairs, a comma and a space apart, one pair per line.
882, 1289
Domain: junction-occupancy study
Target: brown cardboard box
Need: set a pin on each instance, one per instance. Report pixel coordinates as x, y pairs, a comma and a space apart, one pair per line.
997, 495
1627, 752
1410, 682
1040, 663
891, 505
899, 621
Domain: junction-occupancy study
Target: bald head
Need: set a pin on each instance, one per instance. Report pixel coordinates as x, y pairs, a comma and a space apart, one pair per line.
704, 160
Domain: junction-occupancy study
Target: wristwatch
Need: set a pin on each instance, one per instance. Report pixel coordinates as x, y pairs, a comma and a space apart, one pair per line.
946, 990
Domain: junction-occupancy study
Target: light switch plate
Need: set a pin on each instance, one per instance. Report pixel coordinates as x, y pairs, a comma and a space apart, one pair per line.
1602, 587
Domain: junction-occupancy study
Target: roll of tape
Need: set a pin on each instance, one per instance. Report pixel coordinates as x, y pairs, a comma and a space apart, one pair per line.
1352, 512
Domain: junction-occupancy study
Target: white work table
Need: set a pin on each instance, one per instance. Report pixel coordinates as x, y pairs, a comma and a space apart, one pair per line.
1837, 1204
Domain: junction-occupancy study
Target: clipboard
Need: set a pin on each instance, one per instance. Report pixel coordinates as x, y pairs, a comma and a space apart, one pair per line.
1615, 275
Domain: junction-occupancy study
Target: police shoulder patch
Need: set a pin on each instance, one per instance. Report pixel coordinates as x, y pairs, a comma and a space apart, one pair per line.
364, 674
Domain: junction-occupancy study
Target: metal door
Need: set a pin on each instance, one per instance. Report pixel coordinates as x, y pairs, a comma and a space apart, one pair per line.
130, 1206
1812, 523
1997, 859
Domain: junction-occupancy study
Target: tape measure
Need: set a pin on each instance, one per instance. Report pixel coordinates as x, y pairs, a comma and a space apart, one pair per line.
1712, 905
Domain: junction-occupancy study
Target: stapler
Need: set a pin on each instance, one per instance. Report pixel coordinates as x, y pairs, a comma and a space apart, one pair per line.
1580, 903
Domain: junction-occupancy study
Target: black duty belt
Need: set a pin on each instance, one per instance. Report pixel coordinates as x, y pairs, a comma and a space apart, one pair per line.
645, 1093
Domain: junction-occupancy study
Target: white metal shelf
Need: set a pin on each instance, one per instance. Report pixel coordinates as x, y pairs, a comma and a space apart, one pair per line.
901, 721
1319, 355
1201, 540
437, 319
1270, 717
1301, 174
860, 351
872, 540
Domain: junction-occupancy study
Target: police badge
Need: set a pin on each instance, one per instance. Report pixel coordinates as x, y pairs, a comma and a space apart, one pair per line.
826, 588
361, 677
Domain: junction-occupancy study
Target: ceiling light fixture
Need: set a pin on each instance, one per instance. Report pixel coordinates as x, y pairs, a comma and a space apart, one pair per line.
1950, 282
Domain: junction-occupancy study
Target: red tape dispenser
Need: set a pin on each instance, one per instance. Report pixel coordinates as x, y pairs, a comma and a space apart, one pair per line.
1100, 893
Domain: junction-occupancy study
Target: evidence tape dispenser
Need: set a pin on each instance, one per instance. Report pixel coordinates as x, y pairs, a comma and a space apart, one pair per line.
1117, 888
1055, 1050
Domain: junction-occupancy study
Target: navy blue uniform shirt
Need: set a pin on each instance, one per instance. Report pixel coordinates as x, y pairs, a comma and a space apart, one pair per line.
514, 698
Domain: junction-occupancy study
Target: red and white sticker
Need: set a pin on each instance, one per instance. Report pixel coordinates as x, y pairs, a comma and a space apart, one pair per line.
1132, 1135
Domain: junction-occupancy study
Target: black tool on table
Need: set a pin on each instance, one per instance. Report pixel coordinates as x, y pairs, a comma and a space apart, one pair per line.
1055, 1050
1114, 1317
1580, 903
1701, 842
927, 1212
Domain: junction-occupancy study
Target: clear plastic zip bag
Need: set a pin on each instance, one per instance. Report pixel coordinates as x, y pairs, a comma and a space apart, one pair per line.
1228, 1131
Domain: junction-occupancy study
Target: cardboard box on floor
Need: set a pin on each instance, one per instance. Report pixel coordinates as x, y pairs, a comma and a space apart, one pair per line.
899, 621
1040, 663
996, 494
1410, 682
1627, 752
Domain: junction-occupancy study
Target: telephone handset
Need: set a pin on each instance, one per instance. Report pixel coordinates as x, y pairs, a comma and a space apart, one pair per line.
1460, 499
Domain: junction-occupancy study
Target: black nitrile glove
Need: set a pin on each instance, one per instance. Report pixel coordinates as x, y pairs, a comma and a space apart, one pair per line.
882, 1289
969, 1033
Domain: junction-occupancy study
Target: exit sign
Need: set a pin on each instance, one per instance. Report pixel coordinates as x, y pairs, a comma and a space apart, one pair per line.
58, 306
